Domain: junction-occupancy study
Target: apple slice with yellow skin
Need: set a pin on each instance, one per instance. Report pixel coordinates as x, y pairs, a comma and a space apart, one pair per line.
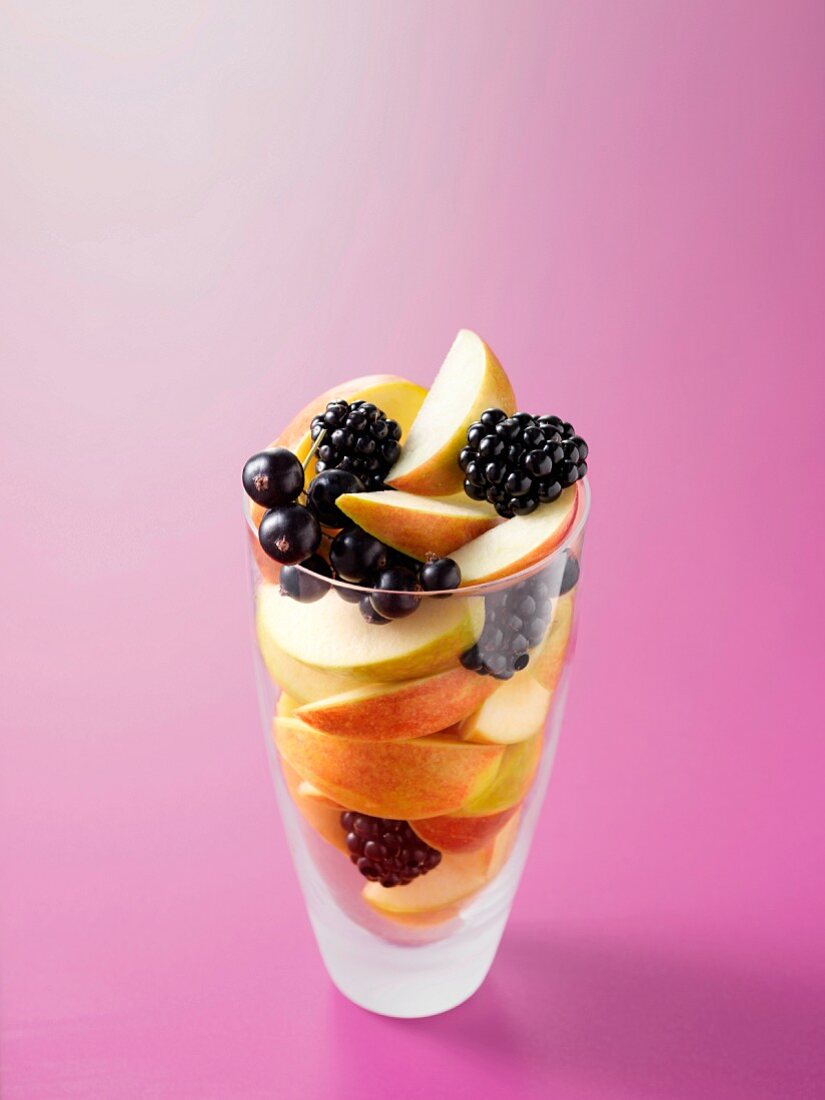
305, 683
462, 834
470, 380
456, 879
426, 777
399, 398
331, 635
512, 780
519, 543
514, 712
416, 525
401, 711
322, 813
546, 667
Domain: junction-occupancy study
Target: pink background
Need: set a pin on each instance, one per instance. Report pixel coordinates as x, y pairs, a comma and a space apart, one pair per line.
209, 213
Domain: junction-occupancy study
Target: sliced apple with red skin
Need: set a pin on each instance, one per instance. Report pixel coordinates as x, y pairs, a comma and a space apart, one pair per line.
426, 777
546, 667
401, 711
470, 380
462, 834
322, 813
456, 879
519, 543
416, 525
514, 712
332, 636
512, 781
399, 398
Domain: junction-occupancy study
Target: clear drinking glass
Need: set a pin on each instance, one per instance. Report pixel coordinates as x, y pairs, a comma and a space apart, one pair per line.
375, 719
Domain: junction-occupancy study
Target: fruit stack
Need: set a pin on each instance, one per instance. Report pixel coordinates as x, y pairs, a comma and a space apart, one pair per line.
416, 564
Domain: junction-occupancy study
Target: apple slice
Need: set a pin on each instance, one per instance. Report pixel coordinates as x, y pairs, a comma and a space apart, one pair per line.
458, 877
305, 683
471, 379
401, 711
511, 782
322, 813
399, 398
462, 834
514, 712
332, 636
517, 544
416, 525
426, 777
546, 667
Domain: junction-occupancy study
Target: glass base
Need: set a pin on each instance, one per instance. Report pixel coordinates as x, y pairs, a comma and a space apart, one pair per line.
407, 981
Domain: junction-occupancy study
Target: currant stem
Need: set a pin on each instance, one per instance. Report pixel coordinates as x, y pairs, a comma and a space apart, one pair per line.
316, 444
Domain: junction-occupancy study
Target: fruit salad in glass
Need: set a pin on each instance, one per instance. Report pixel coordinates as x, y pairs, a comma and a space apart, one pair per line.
415, 562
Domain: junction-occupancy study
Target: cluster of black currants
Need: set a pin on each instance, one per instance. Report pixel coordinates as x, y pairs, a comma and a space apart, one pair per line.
385, 850
386, 584
516, 621
519, 462
358, 438
288, 532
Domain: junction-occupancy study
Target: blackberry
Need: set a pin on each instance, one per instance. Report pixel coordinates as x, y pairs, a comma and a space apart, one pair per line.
570, 577
359, 438
515, 621
520, 462
385, 850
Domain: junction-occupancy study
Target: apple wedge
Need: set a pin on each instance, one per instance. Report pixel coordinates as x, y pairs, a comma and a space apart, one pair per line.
305, 683
322, 813
332, 636
416, 525
457, 877
426, 777
399, 398
511, 782
546, 667
401, 711
471, 379
462, 834
517, 544
514, 712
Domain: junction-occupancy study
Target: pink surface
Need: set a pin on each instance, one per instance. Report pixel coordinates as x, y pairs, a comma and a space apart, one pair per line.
212, 211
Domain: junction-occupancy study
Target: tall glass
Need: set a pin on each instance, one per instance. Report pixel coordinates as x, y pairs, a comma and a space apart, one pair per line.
394, 721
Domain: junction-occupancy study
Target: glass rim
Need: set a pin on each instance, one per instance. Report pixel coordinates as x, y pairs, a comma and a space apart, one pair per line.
583, 498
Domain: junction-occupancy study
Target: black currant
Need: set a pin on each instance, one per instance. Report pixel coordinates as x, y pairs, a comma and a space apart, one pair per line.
325, 489
273, 477
369, 613
355, 555
289, 534
306, 582
350, 595
394, 595
439, 575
